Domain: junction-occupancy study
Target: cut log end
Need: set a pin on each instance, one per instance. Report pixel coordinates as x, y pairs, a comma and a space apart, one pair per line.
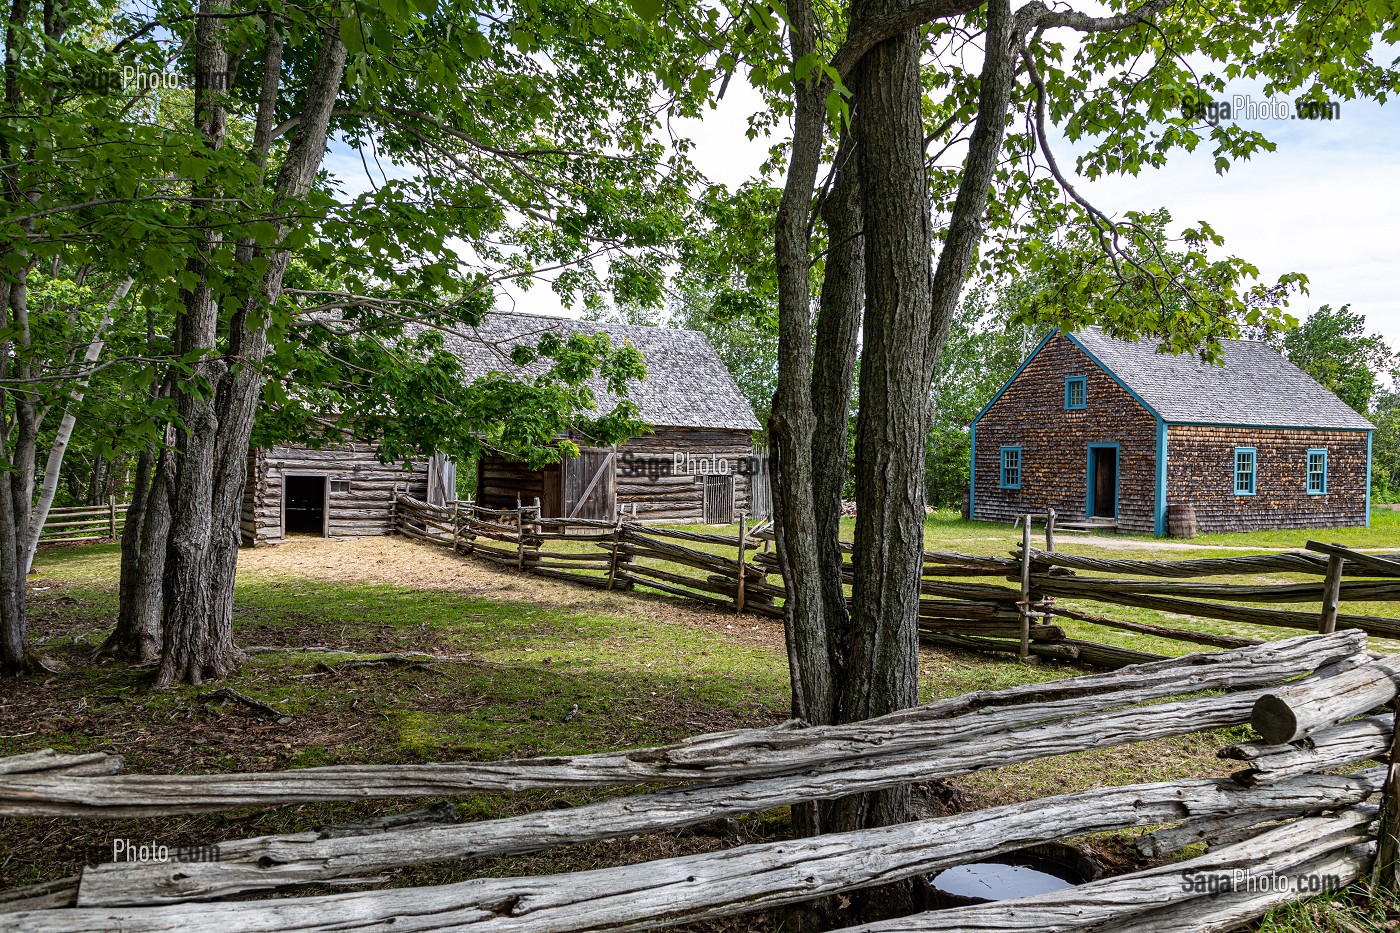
1274, 720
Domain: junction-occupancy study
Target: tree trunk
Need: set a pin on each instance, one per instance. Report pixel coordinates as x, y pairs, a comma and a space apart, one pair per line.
793, 421
137, 635
16, 487
882, 671
13, 637
186, 649
834, 359
198, 635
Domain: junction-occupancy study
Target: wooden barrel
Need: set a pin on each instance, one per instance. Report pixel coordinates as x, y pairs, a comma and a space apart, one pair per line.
1181, 520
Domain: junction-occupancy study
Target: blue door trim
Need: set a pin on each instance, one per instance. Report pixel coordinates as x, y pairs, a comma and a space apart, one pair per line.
1091, 477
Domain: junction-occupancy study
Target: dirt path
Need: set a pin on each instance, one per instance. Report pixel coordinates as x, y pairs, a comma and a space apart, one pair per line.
397, 561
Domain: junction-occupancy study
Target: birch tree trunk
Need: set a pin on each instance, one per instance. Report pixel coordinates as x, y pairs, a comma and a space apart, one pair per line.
53, 467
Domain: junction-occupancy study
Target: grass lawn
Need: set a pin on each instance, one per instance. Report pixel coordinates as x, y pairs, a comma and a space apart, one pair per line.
523, 666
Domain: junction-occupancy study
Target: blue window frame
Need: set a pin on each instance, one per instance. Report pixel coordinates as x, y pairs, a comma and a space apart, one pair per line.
1076, 393
1011, 468
1317, 472
1246, 466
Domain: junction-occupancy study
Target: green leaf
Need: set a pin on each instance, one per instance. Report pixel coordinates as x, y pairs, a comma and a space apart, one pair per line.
351, 36
648, 10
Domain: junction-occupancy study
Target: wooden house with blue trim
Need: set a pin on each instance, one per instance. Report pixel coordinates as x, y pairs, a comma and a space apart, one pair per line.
1115, 432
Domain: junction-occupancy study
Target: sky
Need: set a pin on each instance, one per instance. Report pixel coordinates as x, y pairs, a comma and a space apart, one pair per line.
1326, 203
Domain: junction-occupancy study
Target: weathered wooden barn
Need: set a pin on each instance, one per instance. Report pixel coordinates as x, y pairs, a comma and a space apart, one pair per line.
335, 492
1115, 432
697, 464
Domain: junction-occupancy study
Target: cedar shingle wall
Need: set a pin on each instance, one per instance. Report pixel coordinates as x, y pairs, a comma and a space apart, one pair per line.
1054, 442
1201, 463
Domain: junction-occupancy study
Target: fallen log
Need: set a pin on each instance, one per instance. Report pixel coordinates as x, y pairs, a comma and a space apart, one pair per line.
1289, 714
1231, 909
51, 762
46, 895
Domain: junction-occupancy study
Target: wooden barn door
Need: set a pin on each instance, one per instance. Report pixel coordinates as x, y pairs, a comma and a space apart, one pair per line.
590, 483
719, 499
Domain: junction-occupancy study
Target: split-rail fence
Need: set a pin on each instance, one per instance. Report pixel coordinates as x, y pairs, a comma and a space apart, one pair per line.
1014, 605
1317, 702
72, 524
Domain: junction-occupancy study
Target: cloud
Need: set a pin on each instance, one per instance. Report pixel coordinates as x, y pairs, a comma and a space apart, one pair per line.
1326, 203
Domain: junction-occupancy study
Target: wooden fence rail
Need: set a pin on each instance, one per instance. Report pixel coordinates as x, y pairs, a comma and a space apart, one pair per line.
84, 523
1298, 822
1021, 614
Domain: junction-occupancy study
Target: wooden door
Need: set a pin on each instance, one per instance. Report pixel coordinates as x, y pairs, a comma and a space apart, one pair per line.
719, 499
1105, 460
589, 483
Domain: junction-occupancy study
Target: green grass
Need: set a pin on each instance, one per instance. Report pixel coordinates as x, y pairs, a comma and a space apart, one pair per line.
1349, 911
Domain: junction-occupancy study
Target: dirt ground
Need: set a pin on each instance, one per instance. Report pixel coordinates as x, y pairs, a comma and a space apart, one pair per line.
395, 561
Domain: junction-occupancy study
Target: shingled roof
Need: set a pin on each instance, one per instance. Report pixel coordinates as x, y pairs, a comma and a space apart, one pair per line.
1256, 387
686, 384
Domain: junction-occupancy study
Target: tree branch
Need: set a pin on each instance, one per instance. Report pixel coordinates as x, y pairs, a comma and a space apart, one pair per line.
917, 14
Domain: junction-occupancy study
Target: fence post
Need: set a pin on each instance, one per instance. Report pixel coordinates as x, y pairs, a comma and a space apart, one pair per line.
455, 529
1050, 530
1331, 595
519, 536
616, 543
1025, 604
111, 516
743, 570
1386, 876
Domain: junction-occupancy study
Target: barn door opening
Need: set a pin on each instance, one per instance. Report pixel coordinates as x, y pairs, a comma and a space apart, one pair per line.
304, 505
1103, 481
719, 499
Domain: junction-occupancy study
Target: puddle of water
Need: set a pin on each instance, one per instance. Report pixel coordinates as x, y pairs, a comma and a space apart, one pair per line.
987, 881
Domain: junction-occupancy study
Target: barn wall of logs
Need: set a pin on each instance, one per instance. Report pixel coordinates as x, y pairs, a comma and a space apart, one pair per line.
1054, 442
367, 509
649, 478
1201, 464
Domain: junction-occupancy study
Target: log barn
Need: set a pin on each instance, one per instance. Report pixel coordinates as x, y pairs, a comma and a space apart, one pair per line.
698, 463
335, 492
1114, 433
